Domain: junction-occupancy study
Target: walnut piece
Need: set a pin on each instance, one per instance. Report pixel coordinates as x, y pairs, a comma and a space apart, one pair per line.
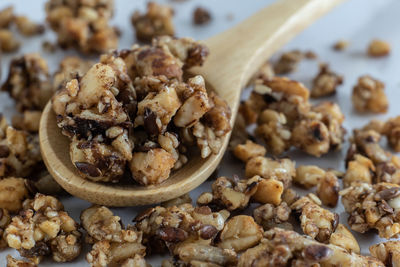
378, 48
157, 21
12, 193
249, 150
369, 96
43, 228
325, 83
201, 16
83, 25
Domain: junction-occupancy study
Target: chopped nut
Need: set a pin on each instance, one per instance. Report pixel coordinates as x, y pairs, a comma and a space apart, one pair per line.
11, 262
341, 45
8, 42
6, 16
316, 222
269, 191
231, 194
12, 193
285, 248
137, 261
325, 83
312, 136
249, 150
328, 189
43, 228
342, 257
113, 244
378, 48
391, 130
373, 207
83, 25
28, 82
270, 216
240, 233
369, 96
359, 169
342, 237
205, 255
201, 16
388, 252
288, 62
367, 143
157, 21
308, 175
27, 27
280, 169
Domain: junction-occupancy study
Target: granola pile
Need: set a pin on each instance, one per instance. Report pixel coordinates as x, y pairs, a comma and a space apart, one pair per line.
135, 109
137, 114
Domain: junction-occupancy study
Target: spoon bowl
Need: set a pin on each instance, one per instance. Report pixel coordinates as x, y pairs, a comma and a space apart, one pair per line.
235, 55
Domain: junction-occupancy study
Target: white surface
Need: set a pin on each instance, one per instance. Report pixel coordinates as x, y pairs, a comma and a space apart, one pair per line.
356, 20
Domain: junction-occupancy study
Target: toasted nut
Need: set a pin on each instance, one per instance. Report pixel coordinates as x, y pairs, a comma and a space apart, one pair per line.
341, 45
369, 96
328, 189
249, 150
342, 237
308, 175
280, 169
378, 48
391, 130
388, 252
269, 191
325, 83
12, 193
359, 169
240, 233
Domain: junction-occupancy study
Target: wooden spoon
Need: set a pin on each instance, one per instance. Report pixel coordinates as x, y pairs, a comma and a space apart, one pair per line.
235, 55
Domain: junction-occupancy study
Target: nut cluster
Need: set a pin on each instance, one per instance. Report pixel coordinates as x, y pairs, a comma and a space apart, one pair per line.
135, 109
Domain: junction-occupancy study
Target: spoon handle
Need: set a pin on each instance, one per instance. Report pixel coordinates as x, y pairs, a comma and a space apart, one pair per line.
240, 51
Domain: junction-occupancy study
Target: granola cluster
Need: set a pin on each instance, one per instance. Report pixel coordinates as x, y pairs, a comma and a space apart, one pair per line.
43, 228
135, 109
325, 83
367, 161
369, 95
26, 27
373, 207
112, 243
289, 61
285, 118
157, 21
83, 25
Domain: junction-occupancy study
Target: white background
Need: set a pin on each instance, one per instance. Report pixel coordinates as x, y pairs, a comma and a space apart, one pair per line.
358, 21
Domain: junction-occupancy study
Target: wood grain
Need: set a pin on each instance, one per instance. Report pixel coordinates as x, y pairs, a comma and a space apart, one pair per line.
234, 56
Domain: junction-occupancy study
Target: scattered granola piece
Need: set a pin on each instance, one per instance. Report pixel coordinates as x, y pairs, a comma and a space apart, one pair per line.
249, 150
373, 207
325, 83
341, 45
388, 252
328, 189
269, 191
270, 216
27, 27
83, 25
231, 194
201, 16
240, 232
44, 228
288, 62
6, 16
369, 96
285, 248
378, 48
359, 169
8, 42
280, 169
342, 237
391, 130
157, 21
12, 193
316, 222
308, 175
28, 82
11, 262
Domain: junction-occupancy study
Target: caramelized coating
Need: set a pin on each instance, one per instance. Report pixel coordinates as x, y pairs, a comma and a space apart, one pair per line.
157, 21
369, 96
28, 82
325, 83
